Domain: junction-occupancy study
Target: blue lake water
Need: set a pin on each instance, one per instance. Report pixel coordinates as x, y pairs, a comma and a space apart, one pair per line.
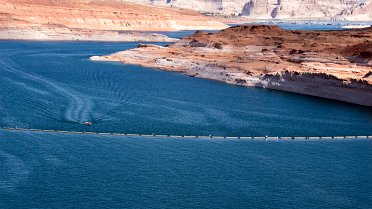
53, 85
72, 171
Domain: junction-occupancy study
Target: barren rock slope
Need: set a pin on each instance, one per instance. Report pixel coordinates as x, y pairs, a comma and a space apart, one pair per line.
60, 18
330, 64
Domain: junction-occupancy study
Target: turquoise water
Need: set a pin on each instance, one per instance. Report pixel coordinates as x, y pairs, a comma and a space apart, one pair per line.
53, 85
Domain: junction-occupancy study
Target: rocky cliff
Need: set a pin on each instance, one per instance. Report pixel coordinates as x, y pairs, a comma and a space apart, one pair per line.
330, 64
356, 12
58, 19
329, 9
204, 6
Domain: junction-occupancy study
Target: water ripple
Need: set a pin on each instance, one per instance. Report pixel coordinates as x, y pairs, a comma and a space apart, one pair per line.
79, 106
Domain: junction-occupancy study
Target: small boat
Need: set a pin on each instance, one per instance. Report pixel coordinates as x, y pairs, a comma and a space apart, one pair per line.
87, 123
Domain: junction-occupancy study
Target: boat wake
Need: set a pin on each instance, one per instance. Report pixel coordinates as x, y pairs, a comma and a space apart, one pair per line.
79, 107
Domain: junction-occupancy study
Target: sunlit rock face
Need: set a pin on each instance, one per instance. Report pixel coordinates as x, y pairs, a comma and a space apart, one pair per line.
111, 15
357, 12
330, 64
329, 9
228, 7
332, 9
98, 20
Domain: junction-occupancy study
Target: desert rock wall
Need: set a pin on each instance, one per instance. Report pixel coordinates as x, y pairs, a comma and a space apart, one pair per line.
360, 10
100, 15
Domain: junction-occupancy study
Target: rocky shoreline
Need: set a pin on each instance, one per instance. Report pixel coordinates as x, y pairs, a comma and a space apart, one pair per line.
67, 34
330, 64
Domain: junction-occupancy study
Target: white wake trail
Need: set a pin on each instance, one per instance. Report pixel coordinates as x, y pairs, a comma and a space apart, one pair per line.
79, 105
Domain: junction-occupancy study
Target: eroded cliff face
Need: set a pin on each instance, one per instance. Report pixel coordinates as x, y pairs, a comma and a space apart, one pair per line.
330, 64
204, 6
356, 12
24, 18
329, 9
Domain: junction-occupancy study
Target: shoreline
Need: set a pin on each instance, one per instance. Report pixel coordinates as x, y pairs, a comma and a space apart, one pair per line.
65, 34
260, 82
342, 74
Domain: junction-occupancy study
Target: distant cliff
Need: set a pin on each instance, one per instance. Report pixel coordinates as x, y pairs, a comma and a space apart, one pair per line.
100, 15
329, 9
101, 20
204, 6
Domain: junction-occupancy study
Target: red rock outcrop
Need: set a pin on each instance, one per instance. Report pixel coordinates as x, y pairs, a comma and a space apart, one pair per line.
51, 18
330, 64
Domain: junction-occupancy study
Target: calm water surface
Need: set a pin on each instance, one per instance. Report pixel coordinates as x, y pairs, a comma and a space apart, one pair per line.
71, 171
53, 85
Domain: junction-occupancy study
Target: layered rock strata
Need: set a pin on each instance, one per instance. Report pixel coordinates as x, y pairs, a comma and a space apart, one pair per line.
360, 10
91, 20
329, 64
59, 33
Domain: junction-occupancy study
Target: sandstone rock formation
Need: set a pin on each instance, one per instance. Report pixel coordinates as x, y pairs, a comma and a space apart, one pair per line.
59, 33
330, 9
330, 64
204, 6
357, 12
83, 19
